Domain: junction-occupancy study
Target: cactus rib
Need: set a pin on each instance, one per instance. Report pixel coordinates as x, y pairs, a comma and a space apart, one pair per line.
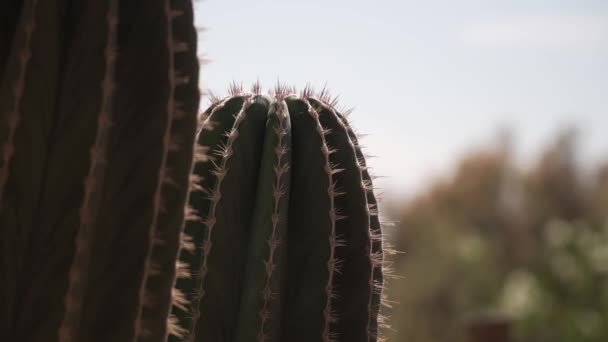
163, 177
376, 229
331, 193
216, 195
354, 281
93, 184
278, 192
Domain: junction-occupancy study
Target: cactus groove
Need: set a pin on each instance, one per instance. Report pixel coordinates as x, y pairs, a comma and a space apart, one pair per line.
283, 242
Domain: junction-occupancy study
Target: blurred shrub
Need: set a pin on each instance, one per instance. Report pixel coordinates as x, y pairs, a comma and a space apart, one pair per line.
528, 243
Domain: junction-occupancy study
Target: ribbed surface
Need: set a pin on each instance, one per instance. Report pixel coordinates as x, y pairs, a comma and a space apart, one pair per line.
286, 244
98, 112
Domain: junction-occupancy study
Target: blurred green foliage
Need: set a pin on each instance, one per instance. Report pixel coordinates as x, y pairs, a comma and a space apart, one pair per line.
497, 239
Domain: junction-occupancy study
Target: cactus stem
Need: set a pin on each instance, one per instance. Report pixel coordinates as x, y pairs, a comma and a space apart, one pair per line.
68, 330
13, 116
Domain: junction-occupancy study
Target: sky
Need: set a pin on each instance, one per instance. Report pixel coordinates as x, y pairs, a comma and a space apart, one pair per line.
429, 80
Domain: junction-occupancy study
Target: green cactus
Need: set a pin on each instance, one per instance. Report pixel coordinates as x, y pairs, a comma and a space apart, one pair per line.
285, 242
98, 106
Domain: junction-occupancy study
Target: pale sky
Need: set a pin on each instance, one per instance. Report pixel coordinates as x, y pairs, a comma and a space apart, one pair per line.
429, 80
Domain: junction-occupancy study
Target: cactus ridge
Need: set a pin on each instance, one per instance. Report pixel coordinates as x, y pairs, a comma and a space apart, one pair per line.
260, 299
203, 180
381, 269
355, 280
279, 193
93, 185
303, 261
329, 315
220, 172
146, 297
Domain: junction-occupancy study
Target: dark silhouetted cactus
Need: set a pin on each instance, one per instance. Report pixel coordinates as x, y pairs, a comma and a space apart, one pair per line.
98, 104
284, 241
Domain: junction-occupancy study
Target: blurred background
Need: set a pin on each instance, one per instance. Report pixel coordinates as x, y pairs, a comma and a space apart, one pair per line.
488, 122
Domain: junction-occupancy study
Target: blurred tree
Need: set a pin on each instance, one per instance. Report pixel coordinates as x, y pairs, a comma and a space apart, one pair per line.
529, 243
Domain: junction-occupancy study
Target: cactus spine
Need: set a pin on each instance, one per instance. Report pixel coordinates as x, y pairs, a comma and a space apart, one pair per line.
98, 104
285, 240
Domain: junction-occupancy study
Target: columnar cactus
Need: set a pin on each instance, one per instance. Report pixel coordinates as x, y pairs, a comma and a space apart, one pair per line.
98, 104
284, 241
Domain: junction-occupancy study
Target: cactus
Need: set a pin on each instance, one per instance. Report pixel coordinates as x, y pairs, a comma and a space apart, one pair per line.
98, 103
98, 106
284, 241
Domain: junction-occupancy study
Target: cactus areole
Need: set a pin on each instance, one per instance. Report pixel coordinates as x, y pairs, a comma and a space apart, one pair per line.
283, 241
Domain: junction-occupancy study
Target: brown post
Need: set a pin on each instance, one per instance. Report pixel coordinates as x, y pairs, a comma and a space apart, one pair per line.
489, 329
